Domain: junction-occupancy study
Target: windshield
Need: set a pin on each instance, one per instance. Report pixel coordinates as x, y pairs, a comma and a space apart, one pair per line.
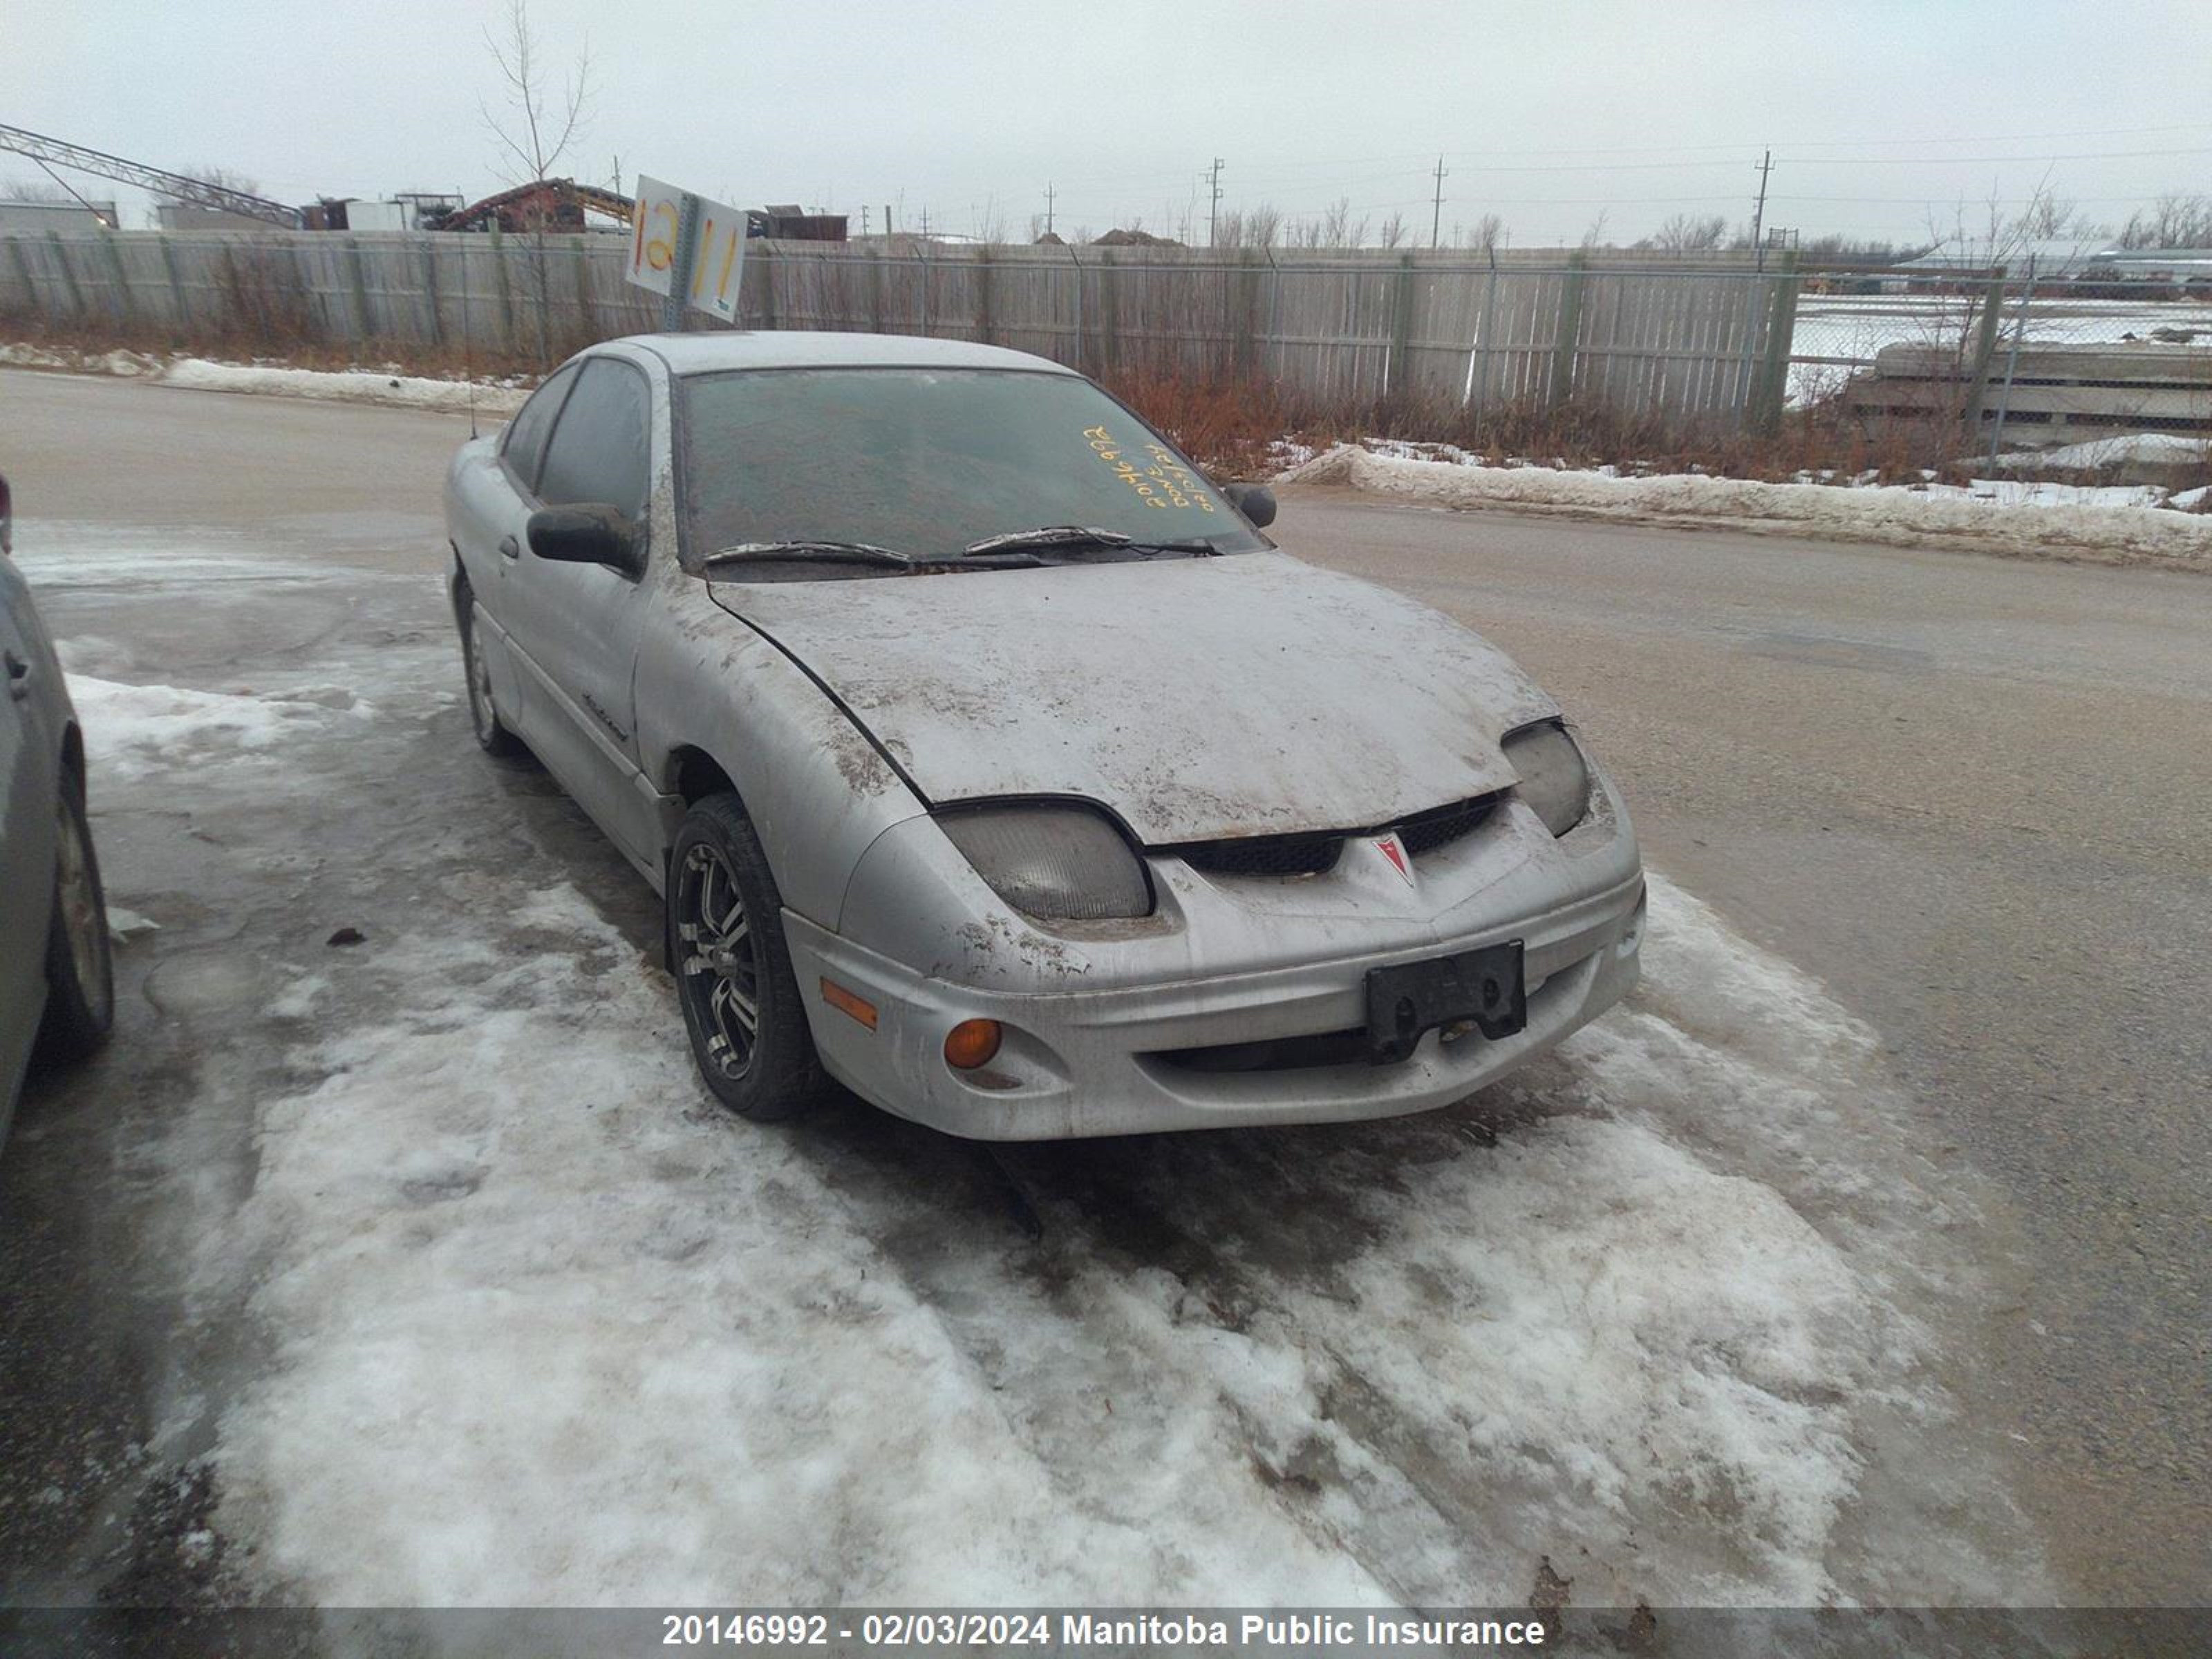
928, 462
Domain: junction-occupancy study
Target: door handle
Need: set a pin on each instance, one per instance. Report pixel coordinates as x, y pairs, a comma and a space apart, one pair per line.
18, 677
509, 548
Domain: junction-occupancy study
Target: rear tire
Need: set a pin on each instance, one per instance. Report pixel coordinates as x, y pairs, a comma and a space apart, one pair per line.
741, 1001
491, 734
80, 963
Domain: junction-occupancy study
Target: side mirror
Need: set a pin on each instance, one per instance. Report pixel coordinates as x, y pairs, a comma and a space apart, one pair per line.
591, 533
1256, 501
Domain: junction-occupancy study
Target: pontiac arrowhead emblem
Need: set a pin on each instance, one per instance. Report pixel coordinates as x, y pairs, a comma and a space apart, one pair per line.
1395, 850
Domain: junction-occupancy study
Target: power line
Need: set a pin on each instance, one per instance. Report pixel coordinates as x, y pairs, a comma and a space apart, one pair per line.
1286, 173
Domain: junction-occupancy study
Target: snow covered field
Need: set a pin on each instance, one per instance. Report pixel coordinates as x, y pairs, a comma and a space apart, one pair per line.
536, 1323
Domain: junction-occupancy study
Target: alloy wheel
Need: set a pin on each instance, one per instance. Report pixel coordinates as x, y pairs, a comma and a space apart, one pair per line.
83, 926
482, 714
720, 972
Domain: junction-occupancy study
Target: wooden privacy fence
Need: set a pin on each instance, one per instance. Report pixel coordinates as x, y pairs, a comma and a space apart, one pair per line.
1708, 345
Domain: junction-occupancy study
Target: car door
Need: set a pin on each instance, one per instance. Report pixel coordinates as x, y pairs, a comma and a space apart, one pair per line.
574, 627
29, 774
496, 500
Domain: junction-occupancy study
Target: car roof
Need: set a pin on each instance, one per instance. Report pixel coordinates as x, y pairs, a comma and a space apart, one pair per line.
722, 350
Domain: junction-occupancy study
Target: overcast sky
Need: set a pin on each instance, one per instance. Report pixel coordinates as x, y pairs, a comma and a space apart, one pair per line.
1878, 113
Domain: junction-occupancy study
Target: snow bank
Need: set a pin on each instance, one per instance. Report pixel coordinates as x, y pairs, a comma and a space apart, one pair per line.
348, 385
495, 397
1990, 517
133, 730
2158, 448
128, 364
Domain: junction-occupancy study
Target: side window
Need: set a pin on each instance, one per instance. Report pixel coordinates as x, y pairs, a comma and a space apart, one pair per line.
523, 445
601, 448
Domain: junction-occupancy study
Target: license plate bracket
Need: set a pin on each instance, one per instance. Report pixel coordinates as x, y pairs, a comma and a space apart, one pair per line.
1409, 999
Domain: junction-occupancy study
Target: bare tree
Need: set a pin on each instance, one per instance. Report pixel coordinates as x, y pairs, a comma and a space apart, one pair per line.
216, 178
2048, 216
1988, 235
1488, 232
2173, 220
1262, 225
1686, 233
539, 123
1336, 222
1595, 236
1394, 229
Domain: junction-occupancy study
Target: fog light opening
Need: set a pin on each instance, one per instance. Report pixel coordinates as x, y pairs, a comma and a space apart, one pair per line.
971, 1044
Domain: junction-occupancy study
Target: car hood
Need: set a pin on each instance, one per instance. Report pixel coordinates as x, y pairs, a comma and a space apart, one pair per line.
1198, 699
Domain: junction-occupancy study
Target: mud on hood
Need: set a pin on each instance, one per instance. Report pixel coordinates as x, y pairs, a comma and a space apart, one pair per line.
1198, 698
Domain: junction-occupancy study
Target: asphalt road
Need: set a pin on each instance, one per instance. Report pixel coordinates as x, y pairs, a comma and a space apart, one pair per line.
1966, 793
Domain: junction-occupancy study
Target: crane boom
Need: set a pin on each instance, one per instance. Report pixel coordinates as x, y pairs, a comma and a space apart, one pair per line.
177, 185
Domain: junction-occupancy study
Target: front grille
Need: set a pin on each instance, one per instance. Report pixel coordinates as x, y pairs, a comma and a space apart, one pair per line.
1425, 832
1264, 855
1315, 853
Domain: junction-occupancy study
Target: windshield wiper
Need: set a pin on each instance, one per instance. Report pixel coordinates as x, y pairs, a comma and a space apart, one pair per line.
1050, 535
804, 552
1078, 535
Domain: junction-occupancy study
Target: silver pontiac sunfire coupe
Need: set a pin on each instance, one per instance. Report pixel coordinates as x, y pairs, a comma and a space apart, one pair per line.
990, 761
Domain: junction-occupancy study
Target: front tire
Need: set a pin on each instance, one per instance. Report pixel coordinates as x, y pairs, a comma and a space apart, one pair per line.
733, 975
491, 734
80, 965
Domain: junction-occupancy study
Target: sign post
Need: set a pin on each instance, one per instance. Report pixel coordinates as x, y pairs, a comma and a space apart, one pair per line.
688, 250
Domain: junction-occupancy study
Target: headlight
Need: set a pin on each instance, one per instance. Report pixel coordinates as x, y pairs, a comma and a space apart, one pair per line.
1554, 778
1065, 863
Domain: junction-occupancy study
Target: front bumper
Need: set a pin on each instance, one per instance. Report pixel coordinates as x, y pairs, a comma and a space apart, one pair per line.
1104, 1061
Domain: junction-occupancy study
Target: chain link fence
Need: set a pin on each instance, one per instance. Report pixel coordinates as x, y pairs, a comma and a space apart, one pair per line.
2019, 363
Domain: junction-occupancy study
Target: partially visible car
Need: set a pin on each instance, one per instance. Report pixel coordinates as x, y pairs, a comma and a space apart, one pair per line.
57, 979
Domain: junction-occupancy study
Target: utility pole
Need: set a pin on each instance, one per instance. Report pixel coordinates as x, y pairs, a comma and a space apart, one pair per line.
1049, 194
1759, 214
1213, 211
1436, 216
924, 224
864, 222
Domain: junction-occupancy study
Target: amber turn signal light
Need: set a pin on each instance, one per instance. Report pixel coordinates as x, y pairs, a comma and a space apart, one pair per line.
859, 1007
971, 1044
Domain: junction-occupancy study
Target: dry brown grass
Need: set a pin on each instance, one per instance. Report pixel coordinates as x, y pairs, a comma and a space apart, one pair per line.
1227, 427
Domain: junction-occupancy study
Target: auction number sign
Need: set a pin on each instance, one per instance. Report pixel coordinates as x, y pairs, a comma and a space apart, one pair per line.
687, 249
